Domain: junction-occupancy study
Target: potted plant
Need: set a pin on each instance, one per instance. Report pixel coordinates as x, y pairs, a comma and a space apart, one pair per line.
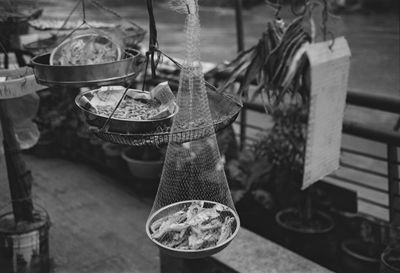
361, 253
145, 165
51, 116
24, 237
390, 258
280, 75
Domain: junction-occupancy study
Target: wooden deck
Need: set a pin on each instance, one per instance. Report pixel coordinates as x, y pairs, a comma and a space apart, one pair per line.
98, 227
97, 221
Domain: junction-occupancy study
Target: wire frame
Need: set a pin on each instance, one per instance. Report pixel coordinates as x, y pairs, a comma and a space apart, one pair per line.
162, 136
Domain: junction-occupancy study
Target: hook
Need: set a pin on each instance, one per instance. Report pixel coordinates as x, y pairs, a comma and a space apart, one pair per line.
302, 11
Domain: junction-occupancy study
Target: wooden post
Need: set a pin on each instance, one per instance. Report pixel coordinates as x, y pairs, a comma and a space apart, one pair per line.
394, 191
19, 177
240, 47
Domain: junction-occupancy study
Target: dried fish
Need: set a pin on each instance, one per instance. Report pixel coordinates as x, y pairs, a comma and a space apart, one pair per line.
194, 227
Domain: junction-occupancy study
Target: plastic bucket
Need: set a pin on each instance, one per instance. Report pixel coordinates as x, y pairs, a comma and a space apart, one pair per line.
24, 250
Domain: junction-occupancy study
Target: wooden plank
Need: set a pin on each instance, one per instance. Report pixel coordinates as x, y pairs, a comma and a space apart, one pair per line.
372, 210
378, 197
394, 190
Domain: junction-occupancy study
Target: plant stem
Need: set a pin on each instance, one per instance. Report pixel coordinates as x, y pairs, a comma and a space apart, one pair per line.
308, 204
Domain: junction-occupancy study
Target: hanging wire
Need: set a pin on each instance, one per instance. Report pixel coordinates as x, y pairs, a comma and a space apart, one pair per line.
69, 16
107, 9
153, 43
104, 128
308, 7
83, 11
277, 6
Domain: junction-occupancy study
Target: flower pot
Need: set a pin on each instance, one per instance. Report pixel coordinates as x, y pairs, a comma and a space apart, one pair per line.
312, 238
390, 260
24, 247
96, 148
112, 154
360, 256
147, 172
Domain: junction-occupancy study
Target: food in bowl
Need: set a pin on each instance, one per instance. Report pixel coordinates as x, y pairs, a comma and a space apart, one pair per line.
133, 109
195, 227
136, 106
86, 49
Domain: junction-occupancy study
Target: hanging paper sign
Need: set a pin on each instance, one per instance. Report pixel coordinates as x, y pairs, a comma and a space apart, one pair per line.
17, 83
329, 70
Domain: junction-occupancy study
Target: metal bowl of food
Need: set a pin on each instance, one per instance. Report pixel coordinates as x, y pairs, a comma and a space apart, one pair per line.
137, 113
193, 229
90, 75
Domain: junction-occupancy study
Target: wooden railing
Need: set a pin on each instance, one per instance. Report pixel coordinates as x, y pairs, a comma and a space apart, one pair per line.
390, 139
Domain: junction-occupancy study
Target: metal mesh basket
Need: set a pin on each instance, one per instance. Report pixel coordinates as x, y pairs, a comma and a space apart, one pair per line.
224, 111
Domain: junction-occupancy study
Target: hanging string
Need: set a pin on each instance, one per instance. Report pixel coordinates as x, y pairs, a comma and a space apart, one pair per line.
153, 43
84, 11
145, 70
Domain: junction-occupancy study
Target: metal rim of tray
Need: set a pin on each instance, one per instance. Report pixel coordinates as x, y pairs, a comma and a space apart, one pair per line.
58, 75
162, 135
191, 254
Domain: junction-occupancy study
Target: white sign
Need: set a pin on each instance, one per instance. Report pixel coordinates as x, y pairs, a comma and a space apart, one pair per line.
329, 67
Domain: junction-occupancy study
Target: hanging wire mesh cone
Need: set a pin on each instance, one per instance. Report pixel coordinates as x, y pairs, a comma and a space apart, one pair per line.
193, 214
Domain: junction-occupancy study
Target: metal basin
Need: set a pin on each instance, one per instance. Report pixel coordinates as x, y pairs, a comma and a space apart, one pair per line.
111, 73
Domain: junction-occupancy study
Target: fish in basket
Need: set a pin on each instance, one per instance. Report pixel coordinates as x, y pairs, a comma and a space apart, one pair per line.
193, 228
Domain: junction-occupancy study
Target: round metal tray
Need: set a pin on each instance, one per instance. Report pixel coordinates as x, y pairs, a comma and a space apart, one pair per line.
192, 254
111, 73
116, 124
224, 111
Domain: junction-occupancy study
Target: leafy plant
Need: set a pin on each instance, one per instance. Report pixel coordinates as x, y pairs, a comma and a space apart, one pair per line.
276, 65
273, 165
271, 169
